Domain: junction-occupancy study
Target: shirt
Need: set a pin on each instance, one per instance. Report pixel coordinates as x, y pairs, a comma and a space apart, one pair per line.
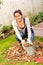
27, 23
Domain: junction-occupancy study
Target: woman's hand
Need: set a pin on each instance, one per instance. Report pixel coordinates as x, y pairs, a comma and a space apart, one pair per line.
29, 41
23, 41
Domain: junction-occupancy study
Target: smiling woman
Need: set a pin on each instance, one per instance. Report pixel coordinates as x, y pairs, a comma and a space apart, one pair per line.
22, 28
19, 17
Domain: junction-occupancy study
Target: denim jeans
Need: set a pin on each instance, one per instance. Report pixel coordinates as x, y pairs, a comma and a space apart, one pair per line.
25, 35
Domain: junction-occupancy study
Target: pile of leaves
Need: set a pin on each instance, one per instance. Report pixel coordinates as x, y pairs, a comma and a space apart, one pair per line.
18, 53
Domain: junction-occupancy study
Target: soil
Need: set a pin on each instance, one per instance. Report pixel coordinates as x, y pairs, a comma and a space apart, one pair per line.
7, 33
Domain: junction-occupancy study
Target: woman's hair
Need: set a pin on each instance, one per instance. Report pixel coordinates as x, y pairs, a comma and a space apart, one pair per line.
17, 11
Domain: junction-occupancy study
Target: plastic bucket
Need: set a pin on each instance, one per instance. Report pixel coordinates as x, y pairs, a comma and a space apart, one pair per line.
30, 50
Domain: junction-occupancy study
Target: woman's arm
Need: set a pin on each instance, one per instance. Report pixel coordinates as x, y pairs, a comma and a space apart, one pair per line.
29, 31
16, 30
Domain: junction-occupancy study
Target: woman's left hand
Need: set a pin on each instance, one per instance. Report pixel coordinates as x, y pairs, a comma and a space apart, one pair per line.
29, 41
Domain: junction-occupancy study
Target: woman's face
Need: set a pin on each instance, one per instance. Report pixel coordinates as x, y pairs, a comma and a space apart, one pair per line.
18, 17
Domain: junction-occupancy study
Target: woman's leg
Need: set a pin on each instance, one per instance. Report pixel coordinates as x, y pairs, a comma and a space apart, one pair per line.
22, 35
26, 35
32, 34
18, 39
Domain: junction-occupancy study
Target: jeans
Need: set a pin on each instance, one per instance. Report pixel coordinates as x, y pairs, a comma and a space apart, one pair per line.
25, 35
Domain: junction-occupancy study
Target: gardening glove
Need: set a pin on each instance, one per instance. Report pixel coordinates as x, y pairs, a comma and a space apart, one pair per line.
29, 41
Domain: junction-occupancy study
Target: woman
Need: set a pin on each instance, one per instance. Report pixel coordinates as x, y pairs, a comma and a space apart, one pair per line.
22, 28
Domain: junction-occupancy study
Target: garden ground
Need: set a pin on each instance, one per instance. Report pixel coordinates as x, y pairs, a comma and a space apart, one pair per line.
8, 42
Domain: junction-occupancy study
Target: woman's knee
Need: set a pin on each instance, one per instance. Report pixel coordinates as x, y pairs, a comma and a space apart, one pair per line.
17, 38
32, 34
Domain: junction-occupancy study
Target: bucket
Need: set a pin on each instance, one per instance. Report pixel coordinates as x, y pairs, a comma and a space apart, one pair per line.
30, 50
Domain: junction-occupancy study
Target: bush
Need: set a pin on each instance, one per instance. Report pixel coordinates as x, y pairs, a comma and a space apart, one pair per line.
11, 27
32, 18
40, 16
5, 29
35, 19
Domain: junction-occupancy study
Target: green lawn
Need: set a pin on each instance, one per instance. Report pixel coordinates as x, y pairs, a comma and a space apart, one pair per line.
8, 42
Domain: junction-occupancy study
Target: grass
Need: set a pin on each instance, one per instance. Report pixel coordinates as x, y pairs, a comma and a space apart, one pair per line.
6, 43
39, 39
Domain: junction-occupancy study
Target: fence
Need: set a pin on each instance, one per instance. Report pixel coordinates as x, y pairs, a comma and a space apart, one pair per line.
9, 6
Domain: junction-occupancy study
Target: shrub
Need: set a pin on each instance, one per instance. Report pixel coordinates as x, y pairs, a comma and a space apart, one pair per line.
5, 29
35, 19
32, 18
40, 16
10, 27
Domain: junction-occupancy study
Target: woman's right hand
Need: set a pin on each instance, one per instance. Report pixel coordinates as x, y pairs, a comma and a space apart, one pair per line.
23, 41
